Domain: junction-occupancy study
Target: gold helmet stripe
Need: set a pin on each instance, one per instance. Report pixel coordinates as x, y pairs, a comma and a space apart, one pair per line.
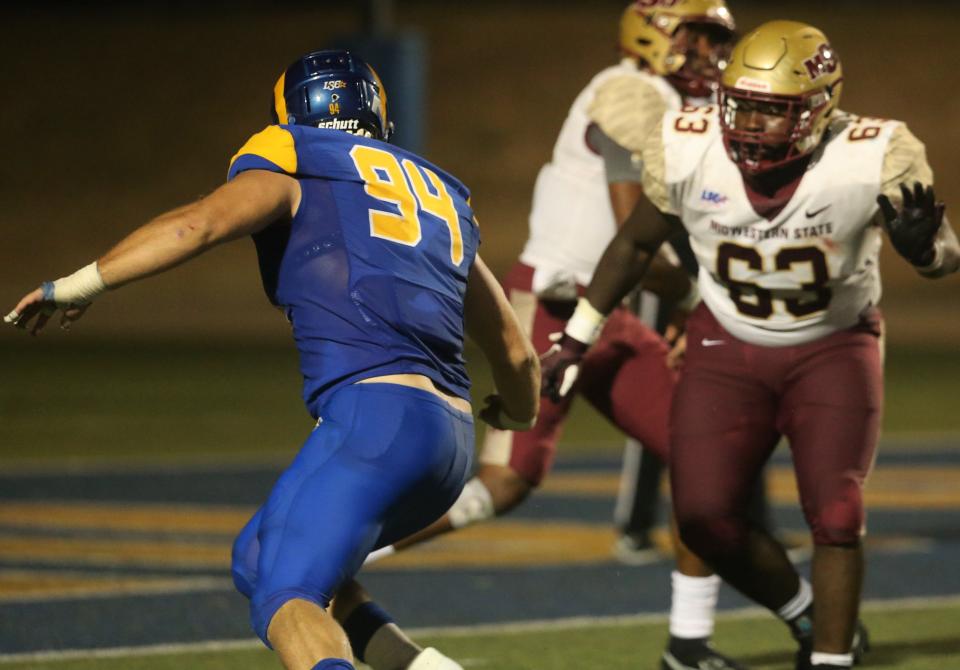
280, 102
383, 96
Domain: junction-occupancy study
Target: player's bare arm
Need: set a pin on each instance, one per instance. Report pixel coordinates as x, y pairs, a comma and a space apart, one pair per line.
666, 280
629, 255
492, 324
243, 206
946, 252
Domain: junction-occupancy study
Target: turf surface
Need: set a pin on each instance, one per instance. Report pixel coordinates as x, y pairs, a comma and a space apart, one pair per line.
68, 401
910, 638
81, 400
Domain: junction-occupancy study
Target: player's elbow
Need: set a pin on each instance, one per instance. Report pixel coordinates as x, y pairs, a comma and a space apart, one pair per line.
193, 227
532, 366
670, 282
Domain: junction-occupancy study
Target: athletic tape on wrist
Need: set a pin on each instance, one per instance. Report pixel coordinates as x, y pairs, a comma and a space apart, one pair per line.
81, 287
586, 323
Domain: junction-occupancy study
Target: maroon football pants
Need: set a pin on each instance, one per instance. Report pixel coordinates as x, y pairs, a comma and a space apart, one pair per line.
624, 376
732, 402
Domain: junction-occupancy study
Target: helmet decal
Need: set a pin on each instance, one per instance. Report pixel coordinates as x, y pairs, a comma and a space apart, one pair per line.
822, 63
333, 89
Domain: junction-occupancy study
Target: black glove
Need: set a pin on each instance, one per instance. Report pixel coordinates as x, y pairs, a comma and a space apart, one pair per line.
912, 230
560, 366
494, 415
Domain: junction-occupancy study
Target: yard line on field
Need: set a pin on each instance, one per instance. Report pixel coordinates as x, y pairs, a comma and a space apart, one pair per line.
912, 442
165, 464
538, 625
110, 587
517, 627
125, 652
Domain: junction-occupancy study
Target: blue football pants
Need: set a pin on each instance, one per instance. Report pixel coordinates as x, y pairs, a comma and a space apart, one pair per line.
385, 461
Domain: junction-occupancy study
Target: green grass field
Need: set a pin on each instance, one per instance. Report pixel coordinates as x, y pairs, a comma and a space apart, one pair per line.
68, 401
83, 400
910, 639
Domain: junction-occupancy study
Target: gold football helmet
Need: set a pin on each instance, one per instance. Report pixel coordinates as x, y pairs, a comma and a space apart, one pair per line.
655, 32
777, 94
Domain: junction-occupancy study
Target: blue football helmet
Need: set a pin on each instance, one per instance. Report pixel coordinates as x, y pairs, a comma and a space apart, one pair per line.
332, 89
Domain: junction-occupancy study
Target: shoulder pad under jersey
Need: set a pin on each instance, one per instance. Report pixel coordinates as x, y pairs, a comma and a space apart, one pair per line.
626, 107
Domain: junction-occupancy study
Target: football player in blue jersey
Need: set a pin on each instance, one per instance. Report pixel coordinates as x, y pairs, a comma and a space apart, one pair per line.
371, 252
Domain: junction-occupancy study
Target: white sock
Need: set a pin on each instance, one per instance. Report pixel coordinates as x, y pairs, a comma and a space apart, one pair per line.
796, 605
431, 659
693, 605
382, 552
819, 658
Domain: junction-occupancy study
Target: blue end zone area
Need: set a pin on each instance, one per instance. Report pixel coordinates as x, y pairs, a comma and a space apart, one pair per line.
101, 558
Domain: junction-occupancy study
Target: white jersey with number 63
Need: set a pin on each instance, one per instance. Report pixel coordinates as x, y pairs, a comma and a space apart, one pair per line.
813, 268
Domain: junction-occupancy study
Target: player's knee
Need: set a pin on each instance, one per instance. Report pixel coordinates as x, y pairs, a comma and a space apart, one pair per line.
507, 488
712, 536
475, 504
839, 521
494, 491
265, 604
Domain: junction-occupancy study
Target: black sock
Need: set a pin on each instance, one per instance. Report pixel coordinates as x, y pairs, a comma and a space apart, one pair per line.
801, 626
361, 625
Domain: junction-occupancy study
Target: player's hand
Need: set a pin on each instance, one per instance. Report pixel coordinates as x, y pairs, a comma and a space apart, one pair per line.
912, 229
676, 336
39, 308
677, 353
560, 366
494, 415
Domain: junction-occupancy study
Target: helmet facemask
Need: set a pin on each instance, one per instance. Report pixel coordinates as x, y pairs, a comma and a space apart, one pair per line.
698, 54
684, 40
764, 131
777, 95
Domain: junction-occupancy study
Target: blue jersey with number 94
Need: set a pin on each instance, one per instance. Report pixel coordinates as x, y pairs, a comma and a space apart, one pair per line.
372, 270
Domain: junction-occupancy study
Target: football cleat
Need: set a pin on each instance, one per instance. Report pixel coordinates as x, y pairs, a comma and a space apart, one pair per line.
332, 89
861, 643
860, 646
698, 656
636, 550
777, 95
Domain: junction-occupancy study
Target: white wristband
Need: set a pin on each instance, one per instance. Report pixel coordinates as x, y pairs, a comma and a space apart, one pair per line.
77, 289
586, 323
937, 261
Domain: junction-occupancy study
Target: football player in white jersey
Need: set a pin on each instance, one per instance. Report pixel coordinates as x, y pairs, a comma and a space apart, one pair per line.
785, 198
673, 51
